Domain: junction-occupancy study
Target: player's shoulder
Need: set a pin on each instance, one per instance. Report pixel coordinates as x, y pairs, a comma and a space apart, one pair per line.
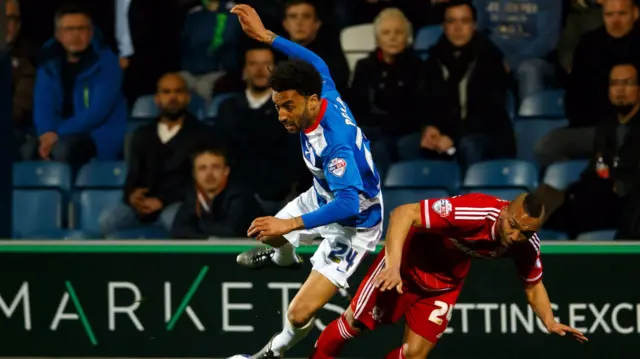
477, 200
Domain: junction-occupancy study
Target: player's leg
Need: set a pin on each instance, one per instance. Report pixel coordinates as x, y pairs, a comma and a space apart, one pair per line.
426, 321
281, 250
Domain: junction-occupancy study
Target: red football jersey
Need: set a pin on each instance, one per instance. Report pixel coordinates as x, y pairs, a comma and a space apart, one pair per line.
438, 256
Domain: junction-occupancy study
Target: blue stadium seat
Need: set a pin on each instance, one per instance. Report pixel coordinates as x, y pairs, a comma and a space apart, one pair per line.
425, 38
530, 131
604, 235
36, 213
133, 125
145, 107
561, 174
508, 194
42, 174
501, 174
511, 105
548, 103
423, 174
90, 204
197, 106
394, 197
549, 235
148, 232
102, 174
214, 106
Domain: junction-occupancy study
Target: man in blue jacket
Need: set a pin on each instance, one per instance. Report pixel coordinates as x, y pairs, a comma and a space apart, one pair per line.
79, 110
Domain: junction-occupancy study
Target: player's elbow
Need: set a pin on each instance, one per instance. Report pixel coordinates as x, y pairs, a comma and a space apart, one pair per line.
350, 202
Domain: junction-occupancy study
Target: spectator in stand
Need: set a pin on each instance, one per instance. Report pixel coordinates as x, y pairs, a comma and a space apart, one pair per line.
607, 195
526, 32
79, 111
584, 16
214, 207
466, 91
159, 166
586, 98
257, 142
386, 87
209, 46
23, 74
302, 23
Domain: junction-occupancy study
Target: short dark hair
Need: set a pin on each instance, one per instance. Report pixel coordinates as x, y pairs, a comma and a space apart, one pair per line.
257, 46
291, 3
532, 205
71, 9
296, 75
217, 151
456, 3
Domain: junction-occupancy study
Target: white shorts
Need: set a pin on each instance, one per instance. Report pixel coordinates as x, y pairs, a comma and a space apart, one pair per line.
342, 248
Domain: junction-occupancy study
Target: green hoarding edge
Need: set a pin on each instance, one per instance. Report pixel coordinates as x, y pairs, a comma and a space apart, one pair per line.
228, 246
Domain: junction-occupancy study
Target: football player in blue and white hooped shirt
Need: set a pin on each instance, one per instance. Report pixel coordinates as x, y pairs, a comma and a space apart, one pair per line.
344, 205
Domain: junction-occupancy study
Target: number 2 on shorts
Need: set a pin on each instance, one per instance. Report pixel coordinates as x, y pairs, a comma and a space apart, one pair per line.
437, 314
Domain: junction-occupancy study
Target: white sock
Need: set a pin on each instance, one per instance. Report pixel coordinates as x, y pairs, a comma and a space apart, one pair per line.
289, 337
284, 255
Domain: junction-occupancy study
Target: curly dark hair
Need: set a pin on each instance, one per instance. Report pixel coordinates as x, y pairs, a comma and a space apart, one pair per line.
296, 75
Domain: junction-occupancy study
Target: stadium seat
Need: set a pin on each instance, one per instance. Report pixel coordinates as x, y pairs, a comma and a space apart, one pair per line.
423, 174
552, 235
214, 106
425, 38
548, 103
511, 105
37, 213
604, 235
501, 174
145, 107
133, 125
42, 174
148, 232
394, 197
197, 106
90, 204
102, 174
561, 174
357, 42
530, 131
508, 194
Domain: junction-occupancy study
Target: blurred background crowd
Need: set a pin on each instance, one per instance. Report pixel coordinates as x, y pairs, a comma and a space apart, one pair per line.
153, 119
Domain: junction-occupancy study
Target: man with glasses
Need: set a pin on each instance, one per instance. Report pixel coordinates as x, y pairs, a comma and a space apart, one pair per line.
79, 111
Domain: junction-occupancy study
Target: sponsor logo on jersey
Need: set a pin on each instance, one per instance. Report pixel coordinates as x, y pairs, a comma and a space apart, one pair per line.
442, 207
377, 313
337, 167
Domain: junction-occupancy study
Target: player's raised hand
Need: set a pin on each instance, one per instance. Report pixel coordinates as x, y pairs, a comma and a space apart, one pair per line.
388, 279
251, 23
562, 330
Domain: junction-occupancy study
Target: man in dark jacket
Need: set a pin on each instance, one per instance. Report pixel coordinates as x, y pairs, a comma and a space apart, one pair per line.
159, 165
586, 97
257, 143
214, 207
79, 111
607, 195
466, 96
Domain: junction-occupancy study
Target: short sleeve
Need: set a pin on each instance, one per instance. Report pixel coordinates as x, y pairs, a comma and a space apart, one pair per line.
527, 261
458, 212
340, 169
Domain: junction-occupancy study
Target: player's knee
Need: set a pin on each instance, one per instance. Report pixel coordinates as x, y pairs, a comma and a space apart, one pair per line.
299, 316
415, 351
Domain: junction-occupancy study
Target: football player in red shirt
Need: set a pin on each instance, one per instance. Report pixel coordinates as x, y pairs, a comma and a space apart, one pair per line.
427, 255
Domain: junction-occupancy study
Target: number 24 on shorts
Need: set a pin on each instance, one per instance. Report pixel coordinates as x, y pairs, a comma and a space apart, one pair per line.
437, 314
343, 255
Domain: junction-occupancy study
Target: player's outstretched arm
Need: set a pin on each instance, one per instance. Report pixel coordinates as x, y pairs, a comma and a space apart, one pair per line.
253, 27
401, 221
541, 305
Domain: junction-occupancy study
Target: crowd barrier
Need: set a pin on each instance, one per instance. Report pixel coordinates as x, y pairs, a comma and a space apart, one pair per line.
190, 299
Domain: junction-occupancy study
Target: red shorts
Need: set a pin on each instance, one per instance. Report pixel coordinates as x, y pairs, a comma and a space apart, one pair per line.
426, 313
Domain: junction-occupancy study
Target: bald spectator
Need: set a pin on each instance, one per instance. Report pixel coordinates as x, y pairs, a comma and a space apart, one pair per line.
586, 97
159, 165
79, 111
22, 81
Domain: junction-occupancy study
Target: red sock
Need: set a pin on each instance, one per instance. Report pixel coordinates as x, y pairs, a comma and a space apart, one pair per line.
332, 339
396, 354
